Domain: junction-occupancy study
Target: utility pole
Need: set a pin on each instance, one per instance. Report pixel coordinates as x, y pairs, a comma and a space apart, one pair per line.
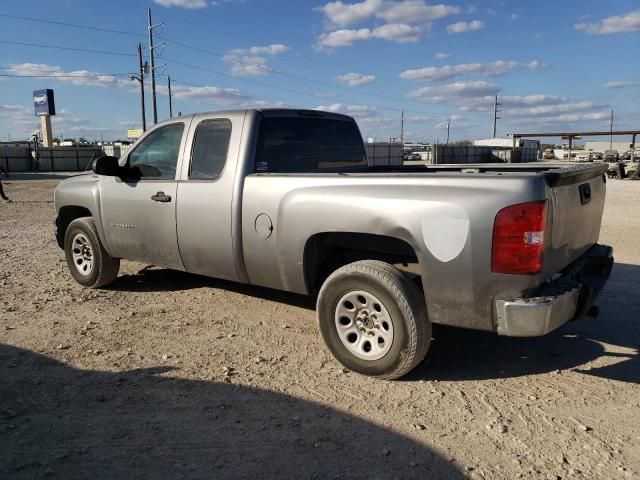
611, 132
402, 128
170, 101
153, 66
448, 129
144, 113
495, 115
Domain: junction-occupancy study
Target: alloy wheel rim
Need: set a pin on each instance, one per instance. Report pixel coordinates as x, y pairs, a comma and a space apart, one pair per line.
82, 254
364, 325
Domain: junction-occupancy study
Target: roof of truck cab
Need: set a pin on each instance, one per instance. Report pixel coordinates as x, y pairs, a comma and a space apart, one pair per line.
267, 112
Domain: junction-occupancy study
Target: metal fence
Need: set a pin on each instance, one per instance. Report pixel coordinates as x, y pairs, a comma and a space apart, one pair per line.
451, 154
67, 159
20, 158
384, 153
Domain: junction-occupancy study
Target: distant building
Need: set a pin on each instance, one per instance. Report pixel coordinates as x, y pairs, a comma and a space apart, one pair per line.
621, 147
526, 150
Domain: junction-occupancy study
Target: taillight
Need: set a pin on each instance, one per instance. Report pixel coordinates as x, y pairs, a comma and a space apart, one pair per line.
518, 238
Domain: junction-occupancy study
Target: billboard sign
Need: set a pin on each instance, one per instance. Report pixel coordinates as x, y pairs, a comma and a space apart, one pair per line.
43, 102
134, 133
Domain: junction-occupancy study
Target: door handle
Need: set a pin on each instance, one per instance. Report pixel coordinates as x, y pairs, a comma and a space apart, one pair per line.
161, 197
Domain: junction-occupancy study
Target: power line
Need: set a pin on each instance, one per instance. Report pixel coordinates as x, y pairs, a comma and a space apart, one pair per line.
215, 72
64, 75
277, 87
57, 47
74, 25
219, 55
287, 74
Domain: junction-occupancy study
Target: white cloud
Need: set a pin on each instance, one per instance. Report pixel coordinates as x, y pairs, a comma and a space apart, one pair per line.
273, 49
64, 123
365, 115
441, 55
566, 118
530, 100
561, 107
628, 22
347, 109
455, 93
405, 11
12, 109
514, 16
355, 79
75, 77
462, 27
621, 84
207, 94
182, 3
343, 38
400, 33
344, 14
251, 62
493, 69
416, 11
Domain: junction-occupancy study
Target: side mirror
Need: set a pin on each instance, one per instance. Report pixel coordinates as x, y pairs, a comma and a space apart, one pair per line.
106, 166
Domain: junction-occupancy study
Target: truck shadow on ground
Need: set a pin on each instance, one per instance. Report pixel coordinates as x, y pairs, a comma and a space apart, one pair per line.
458, 354
154, 279
57, 421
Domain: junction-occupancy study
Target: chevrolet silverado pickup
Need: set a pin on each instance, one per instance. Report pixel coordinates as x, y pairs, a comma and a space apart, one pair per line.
285, 199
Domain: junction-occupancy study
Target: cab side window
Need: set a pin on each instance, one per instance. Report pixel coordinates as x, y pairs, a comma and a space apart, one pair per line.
210, 147
156, 157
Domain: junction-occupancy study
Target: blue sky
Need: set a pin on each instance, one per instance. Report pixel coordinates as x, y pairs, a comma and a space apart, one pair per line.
558, 65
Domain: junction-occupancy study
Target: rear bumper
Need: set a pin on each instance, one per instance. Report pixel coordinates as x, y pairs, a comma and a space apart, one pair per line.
565, 298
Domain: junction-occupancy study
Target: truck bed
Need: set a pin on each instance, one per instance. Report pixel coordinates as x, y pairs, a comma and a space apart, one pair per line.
556, 174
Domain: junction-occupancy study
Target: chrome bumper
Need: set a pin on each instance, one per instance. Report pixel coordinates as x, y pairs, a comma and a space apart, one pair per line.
568, 297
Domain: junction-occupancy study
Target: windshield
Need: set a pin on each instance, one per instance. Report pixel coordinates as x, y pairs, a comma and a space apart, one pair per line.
299, 144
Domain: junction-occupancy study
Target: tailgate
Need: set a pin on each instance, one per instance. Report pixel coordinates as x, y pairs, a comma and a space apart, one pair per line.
576, 203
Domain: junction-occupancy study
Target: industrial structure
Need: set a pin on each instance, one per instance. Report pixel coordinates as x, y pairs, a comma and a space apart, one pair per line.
505, 150
571, 136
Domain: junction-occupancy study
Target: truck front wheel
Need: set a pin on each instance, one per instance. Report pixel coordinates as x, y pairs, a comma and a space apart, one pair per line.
89, 263
373, 319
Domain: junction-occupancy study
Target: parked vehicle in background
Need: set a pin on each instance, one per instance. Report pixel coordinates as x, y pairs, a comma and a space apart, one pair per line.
596, 156
611, 156
549, 154
285, 199
583, 156
412, 156
627, 155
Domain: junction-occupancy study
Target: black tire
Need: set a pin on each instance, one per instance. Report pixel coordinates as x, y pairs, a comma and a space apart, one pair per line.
103, 268
402, 300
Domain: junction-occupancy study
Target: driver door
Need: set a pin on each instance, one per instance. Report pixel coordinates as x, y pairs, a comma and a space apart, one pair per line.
139, 211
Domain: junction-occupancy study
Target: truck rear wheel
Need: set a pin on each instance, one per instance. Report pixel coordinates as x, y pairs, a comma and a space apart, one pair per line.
89, 263
373, 319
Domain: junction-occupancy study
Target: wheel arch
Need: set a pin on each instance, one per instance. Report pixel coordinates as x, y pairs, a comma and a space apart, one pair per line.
66, 215
327, 251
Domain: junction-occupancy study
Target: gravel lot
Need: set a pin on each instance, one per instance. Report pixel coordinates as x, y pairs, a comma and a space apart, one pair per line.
169, 375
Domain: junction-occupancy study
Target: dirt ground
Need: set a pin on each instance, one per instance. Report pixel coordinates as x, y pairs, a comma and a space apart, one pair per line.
169, 375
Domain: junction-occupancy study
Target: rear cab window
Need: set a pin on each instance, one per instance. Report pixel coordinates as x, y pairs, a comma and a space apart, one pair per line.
308, 144
210, 148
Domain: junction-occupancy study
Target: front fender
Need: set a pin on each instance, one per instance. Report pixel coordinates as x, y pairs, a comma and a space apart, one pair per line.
82, 192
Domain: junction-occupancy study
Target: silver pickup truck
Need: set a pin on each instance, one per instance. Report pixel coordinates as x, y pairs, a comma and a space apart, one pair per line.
285, 199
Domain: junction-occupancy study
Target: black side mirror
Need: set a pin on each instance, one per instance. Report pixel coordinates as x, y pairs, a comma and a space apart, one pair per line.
106, 166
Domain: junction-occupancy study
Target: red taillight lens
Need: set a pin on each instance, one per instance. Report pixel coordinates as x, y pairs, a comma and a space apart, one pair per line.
518, 238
